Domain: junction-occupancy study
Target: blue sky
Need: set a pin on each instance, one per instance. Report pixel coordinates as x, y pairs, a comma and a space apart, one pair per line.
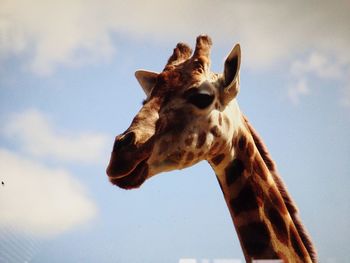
67, 88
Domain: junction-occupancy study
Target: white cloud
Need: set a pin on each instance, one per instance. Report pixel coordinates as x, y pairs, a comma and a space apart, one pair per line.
39, 200
78, 32
298, 90
36, 135
60, 32
74, 32
345, 101
345, 92
319, 66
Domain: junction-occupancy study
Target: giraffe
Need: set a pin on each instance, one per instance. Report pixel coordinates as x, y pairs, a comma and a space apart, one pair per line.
191, 114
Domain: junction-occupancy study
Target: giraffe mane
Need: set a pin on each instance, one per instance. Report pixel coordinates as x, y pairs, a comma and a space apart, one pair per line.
291, 207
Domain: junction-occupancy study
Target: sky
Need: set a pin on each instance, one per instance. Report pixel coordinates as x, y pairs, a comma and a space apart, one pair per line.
67, 88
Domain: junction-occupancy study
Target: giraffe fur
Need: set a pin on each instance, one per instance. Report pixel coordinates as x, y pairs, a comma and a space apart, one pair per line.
191, 114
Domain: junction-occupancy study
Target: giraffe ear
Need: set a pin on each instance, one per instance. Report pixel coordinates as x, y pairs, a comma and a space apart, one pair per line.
231, 74
147, 80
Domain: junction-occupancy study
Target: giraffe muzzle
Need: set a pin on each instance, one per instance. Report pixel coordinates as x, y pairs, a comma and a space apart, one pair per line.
125, 141
128, 166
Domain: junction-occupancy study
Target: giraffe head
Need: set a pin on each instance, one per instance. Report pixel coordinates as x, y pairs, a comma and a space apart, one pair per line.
184, 118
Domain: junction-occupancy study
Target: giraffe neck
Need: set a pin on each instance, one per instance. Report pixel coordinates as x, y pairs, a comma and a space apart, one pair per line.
264, 221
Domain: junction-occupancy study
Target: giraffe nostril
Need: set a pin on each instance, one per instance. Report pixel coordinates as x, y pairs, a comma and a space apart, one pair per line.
127, 140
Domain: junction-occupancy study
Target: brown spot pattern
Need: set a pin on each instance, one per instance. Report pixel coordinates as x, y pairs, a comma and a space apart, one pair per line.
255, 238
278, 224
215, 131
176, 156
215, 147
295, 243
163, 146
242, 143
189, 140
277, 201
250, 149
218, 159
258, 170
201, 139
234, 171
246, 200
199, 154
220, 119
189, 156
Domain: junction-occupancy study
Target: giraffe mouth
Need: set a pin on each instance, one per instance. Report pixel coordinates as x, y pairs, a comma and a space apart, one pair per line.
134, 179
128, 168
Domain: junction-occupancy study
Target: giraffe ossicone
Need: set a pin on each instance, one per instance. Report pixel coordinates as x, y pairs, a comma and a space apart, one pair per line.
191, 114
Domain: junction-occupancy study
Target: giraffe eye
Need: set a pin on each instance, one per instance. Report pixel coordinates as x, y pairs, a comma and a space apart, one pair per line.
200, 99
